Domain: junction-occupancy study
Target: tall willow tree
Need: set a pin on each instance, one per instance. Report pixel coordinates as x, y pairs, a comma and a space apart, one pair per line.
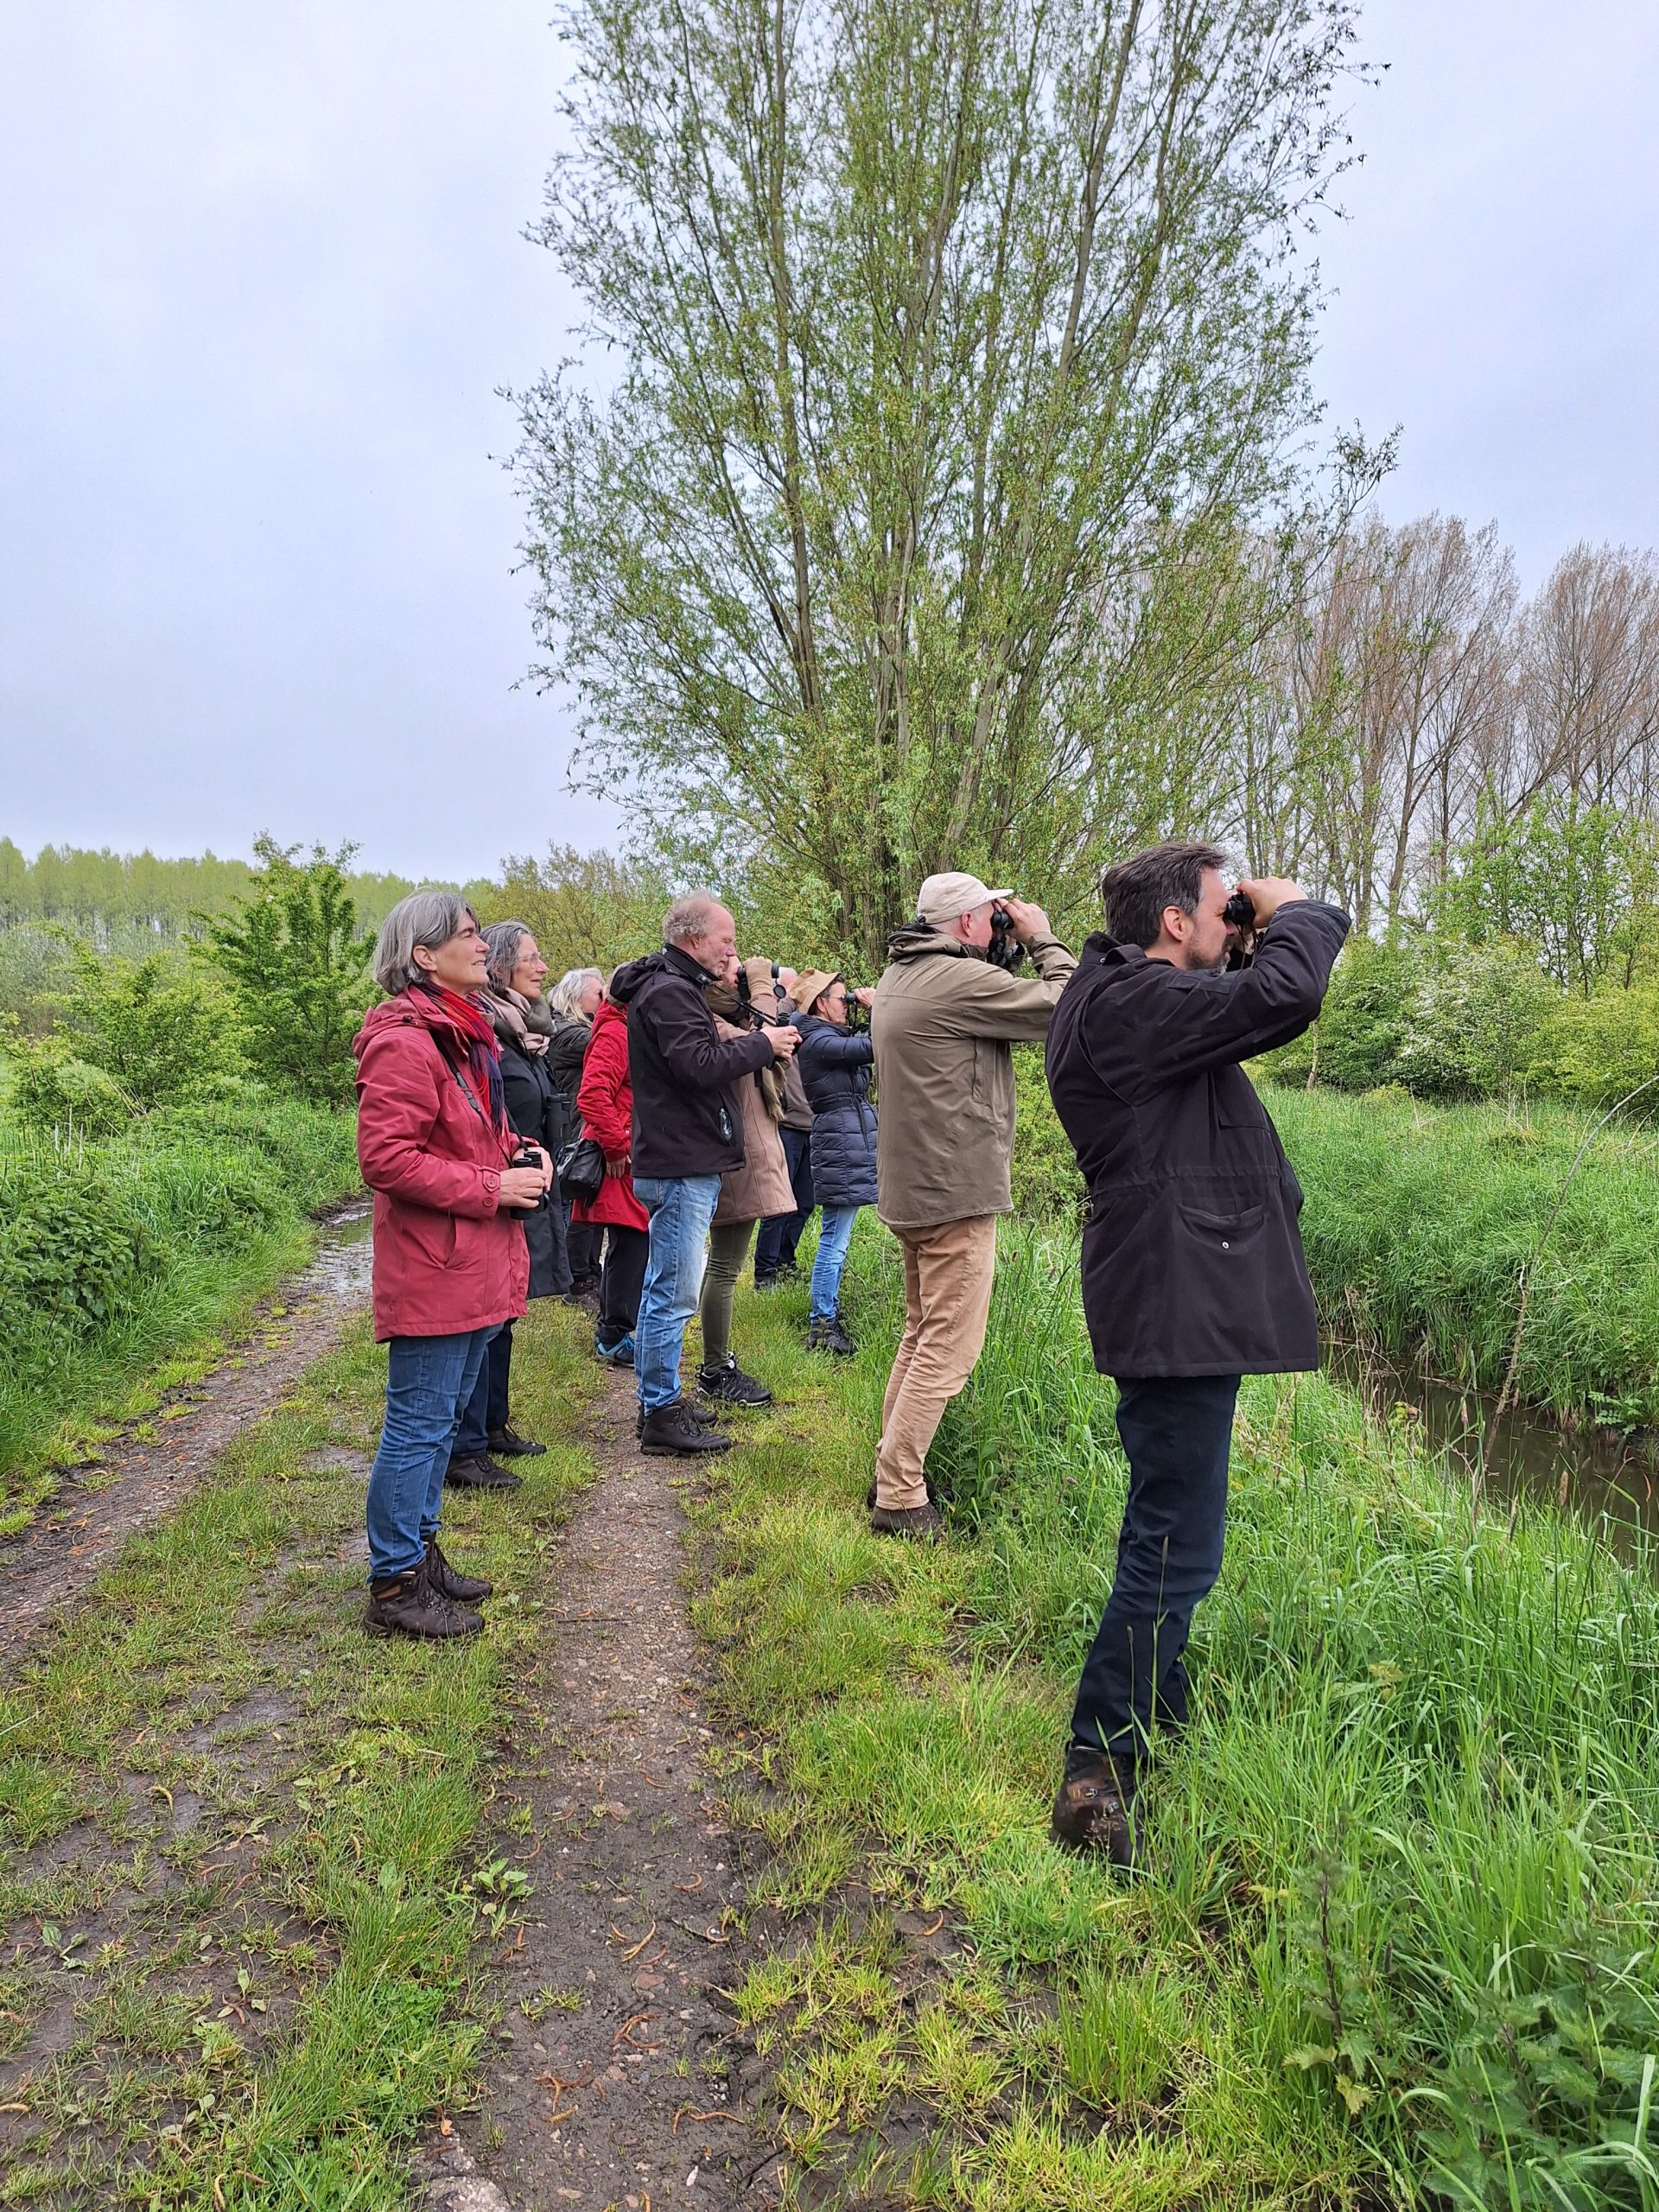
953, 343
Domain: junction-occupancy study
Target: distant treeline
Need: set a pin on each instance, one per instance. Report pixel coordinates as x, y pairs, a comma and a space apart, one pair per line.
110, 897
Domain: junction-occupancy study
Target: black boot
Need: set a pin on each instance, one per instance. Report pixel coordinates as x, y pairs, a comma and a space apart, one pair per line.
479, 1472
507, 1444
826, 1334
694, 1412
1094, 1813
676, 1429
726, 1380
462, 1589
412, 1605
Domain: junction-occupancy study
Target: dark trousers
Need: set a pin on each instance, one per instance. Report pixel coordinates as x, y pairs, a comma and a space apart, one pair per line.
621, 1281
581, 1243
1176, 1431
780, 1233
485, 1411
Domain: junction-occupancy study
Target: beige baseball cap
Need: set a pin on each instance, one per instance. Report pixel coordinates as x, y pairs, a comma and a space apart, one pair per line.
943, 897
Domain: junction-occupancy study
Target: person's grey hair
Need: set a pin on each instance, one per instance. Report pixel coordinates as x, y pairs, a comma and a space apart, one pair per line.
565, 997
503, 939
427, 919
689, 919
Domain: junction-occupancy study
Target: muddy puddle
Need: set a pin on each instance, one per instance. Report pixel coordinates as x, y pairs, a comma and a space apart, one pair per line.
1598, 1474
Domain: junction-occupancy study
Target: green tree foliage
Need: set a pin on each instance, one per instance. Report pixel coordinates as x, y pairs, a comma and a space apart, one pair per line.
125, 902
299, 968
960, 345
587, 910
1578, 880
158, 1030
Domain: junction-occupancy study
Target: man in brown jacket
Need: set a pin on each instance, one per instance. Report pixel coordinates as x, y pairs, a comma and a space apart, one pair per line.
943, 1020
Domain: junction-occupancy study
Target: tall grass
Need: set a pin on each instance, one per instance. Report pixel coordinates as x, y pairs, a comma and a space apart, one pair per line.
1397, 1934
115, 1252
1419, 1220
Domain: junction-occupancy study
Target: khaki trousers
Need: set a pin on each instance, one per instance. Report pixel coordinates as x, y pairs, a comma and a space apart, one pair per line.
948, 1275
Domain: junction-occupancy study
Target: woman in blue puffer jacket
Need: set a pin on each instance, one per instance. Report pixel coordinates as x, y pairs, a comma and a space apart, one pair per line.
835, 1066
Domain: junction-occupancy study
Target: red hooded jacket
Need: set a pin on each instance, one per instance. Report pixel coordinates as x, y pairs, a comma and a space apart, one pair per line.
445, 1260
605, 1101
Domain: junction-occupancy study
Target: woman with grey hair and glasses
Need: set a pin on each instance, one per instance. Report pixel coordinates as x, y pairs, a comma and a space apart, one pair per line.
522, 1023
573, 1000
436, 1144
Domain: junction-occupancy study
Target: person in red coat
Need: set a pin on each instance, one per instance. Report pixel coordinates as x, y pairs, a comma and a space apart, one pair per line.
605, 1102
450, 1259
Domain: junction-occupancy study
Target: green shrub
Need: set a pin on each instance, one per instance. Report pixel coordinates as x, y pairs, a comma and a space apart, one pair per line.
73, 1242
1046, 1179
161, 1031
52, 1091
1599, 1050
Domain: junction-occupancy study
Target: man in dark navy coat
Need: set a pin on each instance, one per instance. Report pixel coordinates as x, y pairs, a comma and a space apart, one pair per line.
1193, 1268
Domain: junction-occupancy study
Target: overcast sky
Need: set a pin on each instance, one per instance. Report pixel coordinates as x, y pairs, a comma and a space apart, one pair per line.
262, 272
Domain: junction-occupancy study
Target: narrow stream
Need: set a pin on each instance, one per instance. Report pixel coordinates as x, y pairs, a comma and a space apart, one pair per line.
1601, 1475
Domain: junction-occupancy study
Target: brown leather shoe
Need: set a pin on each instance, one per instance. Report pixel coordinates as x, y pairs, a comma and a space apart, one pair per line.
1094, 1813
920, 1523
412, 1605
450, 1582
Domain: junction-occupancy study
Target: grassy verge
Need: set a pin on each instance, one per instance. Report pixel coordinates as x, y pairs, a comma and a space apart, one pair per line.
239, 1871
1419, 1220
1396, 1942
123, 1264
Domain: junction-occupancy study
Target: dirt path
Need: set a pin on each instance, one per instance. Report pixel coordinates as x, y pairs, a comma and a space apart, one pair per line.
617, 2073
144, 1473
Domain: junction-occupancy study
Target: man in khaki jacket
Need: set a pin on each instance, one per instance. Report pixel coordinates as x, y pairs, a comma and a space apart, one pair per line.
943, 1020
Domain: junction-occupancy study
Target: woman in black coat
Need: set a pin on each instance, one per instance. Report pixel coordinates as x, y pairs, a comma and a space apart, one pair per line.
523, 1024
572, 1002
835, 1064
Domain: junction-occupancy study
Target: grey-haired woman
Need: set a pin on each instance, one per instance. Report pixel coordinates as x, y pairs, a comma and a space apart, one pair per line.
436, 1144
521, 1022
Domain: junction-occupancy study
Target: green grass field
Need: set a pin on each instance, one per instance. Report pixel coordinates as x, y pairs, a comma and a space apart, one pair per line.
1395, 1943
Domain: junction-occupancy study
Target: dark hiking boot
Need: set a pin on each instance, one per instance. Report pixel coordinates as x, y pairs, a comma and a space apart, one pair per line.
507, 1444
412, 1605
730, 1383
702, 1418
919, 1523
584, 1291
448, 1582
479, 1472
676, 1429
826, 1334
766, 1281
1094, 1813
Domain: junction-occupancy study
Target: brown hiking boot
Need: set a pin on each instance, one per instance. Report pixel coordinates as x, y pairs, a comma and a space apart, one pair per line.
479, 1472
1094, 1813
920, 1523
463, 1589
676, 1429
412, 1605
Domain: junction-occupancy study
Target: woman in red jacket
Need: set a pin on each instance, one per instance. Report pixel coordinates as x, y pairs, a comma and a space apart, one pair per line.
605, 1101
450, 1261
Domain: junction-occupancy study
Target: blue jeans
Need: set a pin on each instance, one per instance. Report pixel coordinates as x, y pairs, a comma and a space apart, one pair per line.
779, 1233
429, 1382
835, 1234
680, 1208
1177, 1432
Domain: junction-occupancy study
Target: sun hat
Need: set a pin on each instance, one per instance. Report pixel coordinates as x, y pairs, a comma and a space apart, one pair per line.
812, 984
943, 897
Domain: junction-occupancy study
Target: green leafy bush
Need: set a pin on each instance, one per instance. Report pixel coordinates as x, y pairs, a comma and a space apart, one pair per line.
72, 1243
1599, 1050
50, 1090
161, 1031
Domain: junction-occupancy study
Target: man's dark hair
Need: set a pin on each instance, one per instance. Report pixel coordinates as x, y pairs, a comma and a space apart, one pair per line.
1137, 891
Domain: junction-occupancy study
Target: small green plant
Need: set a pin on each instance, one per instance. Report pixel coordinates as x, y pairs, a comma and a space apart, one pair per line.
1123, 2034
541, 2002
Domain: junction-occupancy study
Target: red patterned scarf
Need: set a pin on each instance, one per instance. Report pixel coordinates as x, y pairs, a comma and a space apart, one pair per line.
475, 1037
